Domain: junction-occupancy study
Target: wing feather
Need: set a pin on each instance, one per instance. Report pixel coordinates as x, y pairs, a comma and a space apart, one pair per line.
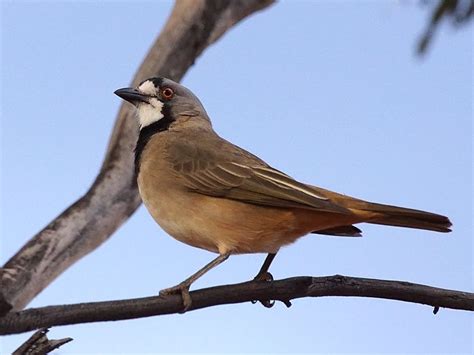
238, 175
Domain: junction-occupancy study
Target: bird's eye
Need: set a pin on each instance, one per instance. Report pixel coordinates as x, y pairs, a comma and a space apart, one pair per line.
167, 93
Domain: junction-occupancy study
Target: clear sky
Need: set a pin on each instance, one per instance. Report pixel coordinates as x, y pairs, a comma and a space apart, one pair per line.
329, 92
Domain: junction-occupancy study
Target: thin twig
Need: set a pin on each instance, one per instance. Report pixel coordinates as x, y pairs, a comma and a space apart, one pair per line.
460, 12
282, 290
39, 344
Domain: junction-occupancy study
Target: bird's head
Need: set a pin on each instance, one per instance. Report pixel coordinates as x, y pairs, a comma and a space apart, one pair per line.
161, 102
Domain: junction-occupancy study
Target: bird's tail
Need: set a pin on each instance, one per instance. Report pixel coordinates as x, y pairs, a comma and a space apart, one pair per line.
377, 213
405, 217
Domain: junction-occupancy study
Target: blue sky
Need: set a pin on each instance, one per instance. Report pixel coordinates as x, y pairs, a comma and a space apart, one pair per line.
329, 92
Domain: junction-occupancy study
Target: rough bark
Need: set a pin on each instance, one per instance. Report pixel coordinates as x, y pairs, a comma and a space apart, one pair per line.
192, 26
282, 290
39, 344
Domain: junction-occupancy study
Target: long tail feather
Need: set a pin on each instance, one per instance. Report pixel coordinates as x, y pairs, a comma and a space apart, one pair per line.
407, 217
390, 215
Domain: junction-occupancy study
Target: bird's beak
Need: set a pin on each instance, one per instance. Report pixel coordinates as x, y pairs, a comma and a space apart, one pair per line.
132, 95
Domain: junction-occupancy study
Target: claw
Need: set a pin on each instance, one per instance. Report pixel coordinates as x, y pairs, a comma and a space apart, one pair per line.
267, 277
268, 303
183, 289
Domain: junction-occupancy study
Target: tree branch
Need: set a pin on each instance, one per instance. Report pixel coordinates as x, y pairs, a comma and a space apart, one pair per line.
460, 13
282, 290
192, 26
39, 344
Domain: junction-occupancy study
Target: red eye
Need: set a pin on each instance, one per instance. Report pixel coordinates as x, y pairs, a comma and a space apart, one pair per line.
167, 93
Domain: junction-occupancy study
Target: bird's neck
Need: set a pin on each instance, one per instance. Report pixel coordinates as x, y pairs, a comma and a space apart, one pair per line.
145, 135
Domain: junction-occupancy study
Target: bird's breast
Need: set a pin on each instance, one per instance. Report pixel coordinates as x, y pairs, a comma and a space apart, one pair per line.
217, 224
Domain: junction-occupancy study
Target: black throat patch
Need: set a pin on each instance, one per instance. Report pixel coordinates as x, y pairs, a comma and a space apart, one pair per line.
149, 131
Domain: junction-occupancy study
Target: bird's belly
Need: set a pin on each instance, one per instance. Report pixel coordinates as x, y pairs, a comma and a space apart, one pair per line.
221, 225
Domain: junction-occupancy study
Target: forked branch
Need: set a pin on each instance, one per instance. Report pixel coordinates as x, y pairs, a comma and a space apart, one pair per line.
39, 343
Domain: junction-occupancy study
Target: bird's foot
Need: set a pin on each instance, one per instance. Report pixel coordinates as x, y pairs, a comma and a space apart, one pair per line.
183, 289
264, 276
267, 277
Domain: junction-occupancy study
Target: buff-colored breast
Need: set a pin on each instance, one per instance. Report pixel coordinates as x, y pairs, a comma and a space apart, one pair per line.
220, 224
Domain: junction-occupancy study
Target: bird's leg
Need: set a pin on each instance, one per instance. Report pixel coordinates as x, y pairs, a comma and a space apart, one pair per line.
183, 287
264, 275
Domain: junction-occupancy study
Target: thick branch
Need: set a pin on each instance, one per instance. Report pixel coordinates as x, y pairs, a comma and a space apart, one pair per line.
192, 26
282, 290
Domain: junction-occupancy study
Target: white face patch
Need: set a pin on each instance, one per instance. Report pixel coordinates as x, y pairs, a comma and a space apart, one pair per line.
149, 113
148, 88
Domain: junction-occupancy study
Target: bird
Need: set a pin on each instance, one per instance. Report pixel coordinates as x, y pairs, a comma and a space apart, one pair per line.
211, 194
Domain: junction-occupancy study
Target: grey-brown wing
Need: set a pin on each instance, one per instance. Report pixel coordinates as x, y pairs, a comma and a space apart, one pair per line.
218, 168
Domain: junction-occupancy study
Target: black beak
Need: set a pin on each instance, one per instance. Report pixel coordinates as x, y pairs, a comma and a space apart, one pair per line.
132, 95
